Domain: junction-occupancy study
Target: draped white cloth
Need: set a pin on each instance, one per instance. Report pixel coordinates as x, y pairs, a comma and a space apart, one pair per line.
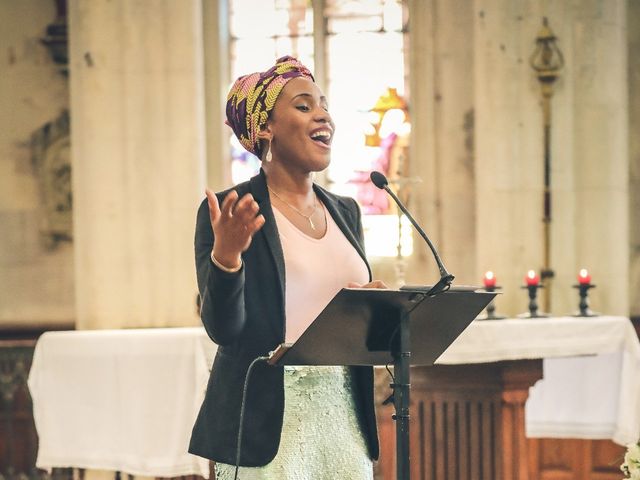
122, 400
125, 400
591, 372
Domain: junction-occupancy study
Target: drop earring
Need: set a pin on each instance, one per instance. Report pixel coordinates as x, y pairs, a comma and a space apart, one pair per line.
268, 157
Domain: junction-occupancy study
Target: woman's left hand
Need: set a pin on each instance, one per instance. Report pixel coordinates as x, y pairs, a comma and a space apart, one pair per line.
374, 284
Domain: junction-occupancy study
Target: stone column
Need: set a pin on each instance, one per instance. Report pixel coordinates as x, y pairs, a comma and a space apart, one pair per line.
454, 136
420, 269
601, 161
441, 66
509, 173
138, 148
216, 86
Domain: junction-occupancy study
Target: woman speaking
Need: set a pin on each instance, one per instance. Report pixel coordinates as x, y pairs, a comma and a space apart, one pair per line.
270, 255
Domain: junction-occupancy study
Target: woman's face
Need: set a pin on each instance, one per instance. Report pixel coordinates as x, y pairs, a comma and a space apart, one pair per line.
301, 127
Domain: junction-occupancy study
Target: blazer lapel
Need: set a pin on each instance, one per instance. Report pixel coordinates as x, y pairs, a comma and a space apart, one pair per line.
270, 229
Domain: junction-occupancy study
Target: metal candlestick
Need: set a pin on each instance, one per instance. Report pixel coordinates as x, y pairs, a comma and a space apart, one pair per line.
491, 308
533, 303
583, 306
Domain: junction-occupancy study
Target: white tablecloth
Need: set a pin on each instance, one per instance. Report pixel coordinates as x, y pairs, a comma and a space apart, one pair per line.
126, 399
591, 372
122, 400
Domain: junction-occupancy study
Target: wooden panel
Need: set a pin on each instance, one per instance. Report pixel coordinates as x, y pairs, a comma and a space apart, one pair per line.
18, 437
573, 459
468, 424
457, 428
606, 458
18, 440
636, 324
554, 459
459, 438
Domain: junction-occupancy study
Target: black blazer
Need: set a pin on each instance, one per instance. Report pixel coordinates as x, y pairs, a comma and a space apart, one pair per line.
244, 313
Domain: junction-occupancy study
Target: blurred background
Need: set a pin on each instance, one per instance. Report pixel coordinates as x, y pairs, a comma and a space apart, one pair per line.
509, 128
112, 124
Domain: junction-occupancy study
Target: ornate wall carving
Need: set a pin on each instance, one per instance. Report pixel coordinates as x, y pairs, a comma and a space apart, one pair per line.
51, 158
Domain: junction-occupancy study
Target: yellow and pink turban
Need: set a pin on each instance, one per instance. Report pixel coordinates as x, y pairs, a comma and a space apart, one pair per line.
252, 97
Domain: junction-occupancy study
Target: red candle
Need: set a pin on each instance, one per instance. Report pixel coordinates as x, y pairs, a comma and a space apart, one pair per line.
489, 279
583, 277
532, 278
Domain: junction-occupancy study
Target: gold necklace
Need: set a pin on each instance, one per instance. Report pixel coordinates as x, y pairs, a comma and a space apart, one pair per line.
306, 217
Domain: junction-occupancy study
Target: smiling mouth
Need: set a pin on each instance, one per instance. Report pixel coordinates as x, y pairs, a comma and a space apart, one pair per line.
322, 137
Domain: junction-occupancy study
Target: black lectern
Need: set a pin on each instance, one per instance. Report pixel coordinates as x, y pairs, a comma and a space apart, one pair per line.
378, 327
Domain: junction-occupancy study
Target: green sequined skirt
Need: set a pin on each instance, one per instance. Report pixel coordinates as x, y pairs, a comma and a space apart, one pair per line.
321, 438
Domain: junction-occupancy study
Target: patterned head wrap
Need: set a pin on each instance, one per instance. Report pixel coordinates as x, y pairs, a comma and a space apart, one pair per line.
252, 97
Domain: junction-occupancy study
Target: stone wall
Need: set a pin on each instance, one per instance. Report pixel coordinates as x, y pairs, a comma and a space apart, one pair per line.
36, 282
484, 205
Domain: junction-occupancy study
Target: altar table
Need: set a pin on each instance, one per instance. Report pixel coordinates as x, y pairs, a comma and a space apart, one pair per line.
125, 400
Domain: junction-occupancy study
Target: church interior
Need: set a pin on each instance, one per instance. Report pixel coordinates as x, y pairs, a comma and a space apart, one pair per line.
509, 128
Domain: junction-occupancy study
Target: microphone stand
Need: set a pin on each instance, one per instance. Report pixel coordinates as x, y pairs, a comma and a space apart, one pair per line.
445, 277
401, 391
402, 351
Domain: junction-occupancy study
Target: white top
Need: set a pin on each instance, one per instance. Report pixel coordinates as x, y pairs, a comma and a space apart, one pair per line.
315, 270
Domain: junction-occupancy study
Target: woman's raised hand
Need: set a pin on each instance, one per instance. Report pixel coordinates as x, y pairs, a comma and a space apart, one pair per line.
234, 223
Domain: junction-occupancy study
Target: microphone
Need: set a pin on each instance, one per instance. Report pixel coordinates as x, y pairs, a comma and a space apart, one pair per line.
380, 181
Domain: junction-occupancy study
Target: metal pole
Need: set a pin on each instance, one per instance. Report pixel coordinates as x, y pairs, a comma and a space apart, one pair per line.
547, 272
402, 387
547, 61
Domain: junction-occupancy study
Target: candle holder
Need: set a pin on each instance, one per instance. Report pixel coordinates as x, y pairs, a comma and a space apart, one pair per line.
491, 308
533, 302
583, 306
